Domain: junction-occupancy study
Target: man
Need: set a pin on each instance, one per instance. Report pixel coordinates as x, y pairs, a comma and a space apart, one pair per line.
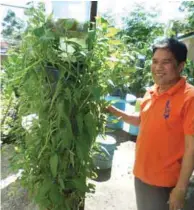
165, 145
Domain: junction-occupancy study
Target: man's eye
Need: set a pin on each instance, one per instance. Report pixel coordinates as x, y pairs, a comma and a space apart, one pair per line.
166, 62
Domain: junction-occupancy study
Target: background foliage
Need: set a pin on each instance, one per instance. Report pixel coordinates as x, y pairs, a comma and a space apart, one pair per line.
12, 26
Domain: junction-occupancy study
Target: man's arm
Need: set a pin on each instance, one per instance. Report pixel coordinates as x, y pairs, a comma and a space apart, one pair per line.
131, 119
187, 163
178, 193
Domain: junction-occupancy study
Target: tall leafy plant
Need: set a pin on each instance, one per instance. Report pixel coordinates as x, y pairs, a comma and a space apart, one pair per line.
62, 83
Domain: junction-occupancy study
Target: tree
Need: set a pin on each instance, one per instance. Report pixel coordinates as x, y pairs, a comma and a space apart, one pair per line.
12, 26
141, 29
188, 8
109, 16
186, 25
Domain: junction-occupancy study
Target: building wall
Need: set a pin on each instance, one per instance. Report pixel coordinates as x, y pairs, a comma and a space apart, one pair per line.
3, 51
190, 45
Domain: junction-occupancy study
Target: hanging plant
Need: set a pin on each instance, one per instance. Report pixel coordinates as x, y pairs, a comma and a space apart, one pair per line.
62, 83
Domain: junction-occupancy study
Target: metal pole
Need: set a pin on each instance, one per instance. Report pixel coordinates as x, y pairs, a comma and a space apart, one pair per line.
93, 11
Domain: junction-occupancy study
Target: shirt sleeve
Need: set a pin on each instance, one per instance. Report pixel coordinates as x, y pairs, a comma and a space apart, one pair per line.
143, 101
188, 119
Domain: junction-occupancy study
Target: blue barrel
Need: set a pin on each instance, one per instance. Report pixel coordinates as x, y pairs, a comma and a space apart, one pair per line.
133, 130
102, 159
119, 103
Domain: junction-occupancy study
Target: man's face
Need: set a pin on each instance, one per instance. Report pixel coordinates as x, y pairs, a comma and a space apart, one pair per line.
165, 69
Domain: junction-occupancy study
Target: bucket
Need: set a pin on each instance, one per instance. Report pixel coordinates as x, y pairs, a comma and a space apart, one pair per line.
102, 159
108, 142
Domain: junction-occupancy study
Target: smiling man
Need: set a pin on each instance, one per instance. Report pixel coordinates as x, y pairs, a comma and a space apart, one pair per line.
165, 145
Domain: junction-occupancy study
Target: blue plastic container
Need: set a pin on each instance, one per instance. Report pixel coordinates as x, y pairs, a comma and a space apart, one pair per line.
120, 104
134, 130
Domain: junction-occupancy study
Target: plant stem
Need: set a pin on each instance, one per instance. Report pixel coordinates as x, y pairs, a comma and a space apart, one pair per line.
7, 110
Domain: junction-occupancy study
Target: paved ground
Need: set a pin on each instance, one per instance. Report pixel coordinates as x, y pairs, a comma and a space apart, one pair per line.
114, 188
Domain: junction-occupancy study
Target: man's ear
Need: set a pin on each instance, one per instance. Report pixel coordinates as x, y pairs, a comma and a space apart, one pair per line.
181, 66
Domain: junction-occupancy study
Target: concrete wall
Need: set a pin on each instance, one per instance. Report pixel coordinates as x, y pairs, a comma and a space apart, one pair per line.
189, 41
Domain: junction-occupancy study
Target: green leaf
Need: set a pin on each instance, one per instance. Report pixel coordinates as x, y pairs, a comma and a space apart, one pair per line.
72, 156
90, 124
50, 35
112, 32
45, 187
114, 42
54, 164
39, 32
101, 20
68, 126
60, 108
68, 94
96, 92
61, 182
55, 195
64, 138
80, 184
43, 202
67, 23
41, 196
79, 119
82, 148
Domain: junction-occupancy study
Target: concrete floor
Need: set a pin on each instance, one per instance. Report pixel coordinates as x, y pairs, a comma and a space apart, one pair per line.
115, 188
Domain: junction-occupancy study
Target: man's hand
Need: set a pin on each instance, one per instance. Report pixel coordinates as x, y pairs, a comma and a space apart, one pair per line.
110, 109
177, 199
131, 119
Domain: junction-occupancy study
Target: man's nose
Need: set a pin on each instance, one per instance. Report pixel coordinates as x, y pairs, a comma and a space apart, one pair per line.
159, 66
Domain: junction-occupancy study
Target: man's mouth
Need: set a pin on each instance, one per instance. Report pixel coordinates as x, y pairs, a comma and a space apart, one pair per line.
159, 74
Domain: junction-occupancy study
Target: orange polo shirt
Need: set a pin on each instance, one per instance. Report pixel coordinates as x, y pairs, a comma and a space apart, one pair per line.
165, 120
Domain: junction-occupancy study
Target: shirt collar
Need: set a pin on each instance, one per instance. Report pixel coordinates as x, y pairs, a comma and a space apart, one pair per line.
171, 91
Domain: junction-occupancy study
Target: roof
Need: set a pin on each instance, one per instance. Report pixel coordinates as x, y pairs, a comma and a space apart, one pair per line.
4, 44
4, 47
186, 36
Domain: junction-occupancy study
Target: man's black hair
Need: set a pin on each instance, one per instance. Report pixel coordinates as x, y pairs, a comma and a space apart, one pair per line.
177, 48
